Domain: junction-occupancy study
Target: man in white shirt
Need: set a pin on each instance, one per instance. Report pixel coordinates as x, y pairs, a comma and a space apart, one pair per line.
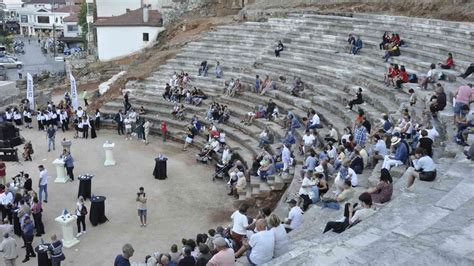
43, 184
305, 189
379, 150
8, 249
286, 157
240, 225
262, 244
315, 120
307, 142
295, 216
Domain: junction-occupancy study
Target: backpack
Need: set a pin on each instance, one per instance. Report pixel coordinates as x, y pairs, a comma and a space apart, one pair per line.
412, 78
84, 210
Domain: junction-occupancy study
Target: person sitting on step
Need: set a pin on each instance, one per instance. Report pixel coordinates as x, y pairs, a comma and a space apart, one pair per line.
393, 50
468, 71
356, 46
430, 77
402, 77
424, 168
279, 48
449, 64
392, 72
350, 42
357, 100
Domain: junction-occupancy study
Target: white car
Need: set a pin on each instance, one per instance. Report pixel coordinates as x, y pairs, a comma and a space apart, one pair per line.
10, 63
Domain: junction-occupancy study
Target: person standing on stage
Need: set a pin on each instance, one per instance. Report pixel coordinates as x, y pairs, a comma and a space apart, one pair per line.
141, 205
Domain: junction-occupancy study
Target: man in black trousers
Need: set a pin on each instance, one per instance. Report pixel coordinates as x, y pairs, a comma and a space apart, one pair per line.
119, 119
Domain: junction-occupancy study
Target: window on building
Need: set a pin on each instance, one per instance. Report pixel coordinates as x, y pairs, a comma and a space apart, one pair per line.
146, 37
43, 19
72, 28
24, 19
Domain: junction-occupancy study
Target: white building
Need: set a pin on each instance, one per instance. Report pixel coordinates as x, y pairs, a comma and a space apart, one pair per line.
123, 35
109, 8
11, 7
38, 20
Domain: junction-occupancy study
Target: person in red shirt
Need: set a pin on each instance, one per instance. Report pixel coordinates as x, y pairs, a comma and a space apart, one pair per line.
3, 172
449, 62
164, 130
392, 72
402, 77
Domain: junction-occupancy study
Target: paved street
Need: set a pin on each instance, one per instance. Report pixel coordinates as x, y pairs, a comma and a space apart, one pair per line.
34, 61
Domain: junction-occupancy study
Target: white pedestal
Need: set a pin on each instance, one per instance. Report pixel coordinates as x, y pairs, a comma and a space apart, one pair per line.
67, 224
109, 154
61, 176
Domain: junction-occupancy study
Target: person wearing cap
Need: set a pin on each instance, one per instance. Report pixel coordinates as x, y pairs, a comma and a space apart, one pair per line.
295, 216
225, 256
400, 157
28, 235
8, 250
424, 167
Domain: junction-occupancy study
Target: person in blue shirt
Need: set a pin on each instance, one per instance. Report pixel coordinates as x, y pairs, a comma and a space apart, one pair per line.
69, 163
124, 258
400, 157
357, 45
28, 235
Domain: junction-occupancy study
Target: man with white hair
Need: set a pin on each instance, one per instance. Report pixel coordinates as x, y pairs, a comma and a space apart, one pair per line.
124, 258
8, 250
224, 256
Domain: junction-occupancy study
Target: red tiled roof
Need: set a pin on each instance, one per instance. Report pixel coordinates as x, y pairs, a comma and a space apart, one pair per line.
68, 9
132, 18
72, 18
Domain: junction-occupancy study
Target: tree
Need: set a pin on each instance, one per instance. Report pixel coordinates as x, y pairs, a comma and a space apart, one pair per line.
83, 22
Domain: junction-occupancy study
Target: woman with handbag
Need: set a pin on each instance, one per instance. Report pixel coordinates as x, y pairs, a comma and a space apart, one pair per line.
55, 251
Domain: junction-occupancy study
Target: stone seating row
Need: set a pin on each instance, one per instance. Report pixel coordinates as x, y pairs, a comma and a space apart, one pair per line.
412, 216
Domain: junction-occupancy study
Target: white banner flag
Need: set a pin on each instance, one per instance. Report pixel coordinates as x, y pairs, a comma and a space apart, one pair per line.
30, 91
73, 91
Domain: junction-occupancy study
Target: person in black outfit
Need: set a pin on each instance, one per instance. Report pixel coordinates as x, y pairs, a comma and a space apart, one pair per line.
426, 143
468, 71
27, 185
27, 234
187, 260
270, 107
357, 100
119, 119
126, 102
279, 48
339, 227
440, 102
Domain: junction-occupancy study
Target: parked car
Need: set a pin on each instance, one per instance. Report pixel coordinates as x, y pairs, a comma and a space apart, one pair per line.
10, 63
7, 55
